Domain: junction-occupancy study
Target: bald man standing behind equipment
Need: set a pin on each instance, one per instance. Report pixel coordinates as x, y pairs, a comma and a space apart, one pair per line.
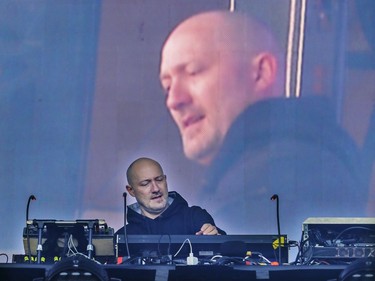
158, 211
222, 73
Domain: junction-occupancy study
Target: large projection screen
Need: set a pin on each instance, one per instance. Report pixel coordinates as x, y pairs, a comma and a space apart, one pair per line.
80, 99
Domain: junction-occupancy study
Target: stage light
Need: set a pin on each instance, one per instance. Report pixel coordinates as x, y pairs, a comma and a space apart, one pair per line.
76, 268
360, 270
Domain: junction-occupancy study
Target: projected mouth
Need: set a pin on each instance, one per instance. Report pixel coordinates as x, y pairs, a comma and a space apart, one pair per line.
191, 121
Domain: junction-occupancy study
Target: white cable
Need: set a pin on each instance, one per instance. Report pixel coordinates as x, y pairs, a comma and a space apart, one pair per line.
72, 250
216, 256
264, 258
190, 260
191, 248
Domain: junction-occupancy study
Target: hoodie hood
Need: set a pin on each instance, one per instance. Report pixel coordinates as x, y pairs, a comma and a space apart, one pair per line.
174, 204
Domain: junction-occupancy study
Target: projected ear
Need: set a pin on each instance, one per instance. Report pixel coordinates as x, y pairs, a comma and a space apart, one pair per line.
265, 70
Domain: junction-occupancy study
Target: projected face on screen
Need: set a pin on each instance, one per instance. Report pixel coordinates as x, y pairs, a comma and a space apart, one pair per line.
207, 83
223, 76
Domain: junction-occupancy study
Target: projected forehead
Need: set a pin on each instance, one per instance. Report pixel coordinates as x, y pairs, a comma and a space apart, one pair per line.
224, 31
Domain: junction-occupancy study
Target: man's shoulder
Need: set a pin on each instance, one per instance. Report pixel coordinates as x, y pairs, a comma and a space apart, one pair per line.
280, 121
282, 109
306, 141
180, 205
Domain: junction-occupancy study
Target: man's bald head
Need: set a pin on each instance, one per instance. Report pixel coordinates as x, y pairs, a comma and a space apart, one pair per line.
148, 184
233, 31
131, 172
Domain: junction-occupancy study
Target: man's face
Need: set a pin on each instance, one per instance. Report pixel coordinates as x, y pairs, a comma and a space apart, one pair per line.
206, 84
149, 187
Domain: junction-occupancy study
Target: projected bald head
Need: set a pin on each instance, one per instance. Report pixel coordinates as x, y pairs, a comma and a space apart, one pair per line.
213, 66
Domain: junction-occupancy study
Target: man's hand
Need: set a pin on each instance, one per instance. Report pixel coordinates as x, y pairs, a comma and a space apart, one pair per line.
208, 229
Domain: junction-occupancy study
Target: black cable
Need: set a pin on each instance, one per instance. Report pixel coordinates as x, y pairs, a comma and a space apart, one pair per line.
350, 228
125, 232
5, 255
130, 260
31, 197
276, 197
301, 253
169, 245
230, 260
28, 242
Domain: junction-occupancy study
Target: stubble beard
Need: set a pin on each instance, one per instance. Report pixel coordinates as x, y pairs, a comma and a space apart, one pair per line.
202, 147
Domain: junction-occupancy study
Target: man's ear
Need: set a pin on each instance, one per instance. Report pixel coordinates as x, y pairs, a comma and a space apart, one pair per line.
265, 71
130, 190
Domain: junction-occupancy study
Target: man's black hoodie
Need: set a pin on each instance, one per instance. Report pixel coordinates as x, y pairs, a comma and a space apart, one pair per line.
178, 218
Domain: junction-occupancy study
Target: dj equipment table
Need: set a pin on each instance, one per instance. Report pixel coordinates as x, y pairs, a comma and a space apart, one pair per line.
29, 272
